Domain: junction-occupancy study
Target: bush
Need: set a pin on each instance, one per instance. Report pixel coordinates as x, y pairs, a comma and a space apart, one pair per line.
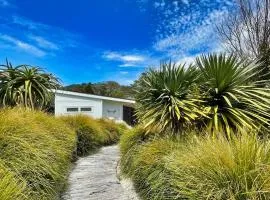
198, 167
218, 92
112, 129
231, 94
36, 152
92, 133
166, 98
222, 169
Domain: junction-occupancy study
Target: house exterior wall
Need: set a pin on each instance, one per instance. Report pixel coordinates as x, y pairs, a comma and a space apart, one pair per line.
112, 110
64, 101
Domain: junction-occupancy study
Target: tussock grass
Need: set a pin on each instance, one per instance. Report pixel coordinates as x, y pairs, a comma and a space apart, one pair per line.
129, 143
198, 167
221, 169
112, 129
36, 151
92, 133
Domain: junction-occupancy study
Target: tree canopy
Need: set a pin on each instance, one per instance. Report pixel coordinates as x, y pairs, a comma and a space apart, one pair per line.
108, 88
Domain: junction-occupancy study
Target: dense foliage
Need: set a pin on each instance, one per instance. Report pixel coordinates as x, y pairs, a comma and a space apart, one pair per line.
26, 86
165, 97
37, 150
92, 134
218, 91
198, 167
108, 88
232, 96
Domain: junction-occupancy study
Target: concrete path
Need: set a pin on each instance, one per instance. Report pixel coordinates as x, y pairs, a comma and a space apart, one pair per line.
95, 178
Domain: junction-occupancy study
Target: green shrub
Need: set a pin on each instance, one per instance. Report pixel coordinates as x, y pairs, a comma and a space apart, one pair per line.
113, 130
129, 143
35, 154
11, 187
231, 94
152, 179
221, 169
92, 133
197, 167
131, 138
219, 92
166, 98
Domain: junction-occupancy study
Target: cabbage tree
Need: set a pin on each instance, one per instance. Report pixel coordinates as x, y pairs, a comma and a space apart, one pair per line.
231, 94
25, 85
166, 97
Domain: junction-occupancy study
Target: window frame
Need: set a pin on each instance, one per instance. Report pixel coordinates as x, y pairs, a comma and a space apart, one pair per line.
83, 107
72, 111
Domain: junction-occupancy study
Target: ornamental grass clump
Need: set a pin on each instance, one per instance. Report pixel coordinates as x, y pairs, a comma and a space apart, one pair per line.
151, 178
93, 133
90, 135
36, 153
198, 167
209, 168
112, 129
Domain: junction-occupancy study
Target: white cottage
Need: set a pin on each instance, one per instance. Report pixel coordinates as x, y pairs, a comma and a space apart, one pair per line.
70, 103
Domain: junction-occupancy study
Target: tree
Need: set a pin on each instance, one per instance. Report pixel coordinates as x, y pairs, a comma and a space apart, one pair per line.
246, 32
108, 88
83, 88
166, 99
219, 92
231, 96
26, 86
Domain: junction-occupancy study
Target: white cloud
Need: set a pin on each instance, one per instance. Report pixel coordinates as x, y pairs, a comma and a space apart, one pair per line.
22, 45
187, 59
132, 58
189, 29
159, 4
185, 2
127, 59
43, 43
36, 38
128, 65
123, 57
28, 23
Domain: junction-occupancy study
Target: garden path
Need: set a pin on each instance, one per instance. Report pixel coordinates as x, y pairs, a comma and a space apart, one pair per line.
95, 178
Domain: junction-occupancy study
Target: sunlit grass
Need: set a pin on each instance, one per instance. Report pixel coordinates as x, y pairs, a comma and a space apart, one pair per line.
36, 151
198, 167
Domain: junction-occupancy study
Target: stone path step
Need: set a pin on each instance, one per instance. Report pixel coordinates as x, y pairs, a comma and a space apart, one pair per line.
94, 178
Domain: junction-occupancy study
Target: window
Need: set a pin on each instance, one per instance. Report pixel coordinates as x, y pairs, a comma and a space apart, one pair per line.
111, 111
86, 109
73, 109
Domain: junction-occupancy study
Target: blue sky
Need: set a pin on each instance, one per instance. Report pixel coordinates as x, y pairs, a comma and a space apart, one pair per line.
100, 40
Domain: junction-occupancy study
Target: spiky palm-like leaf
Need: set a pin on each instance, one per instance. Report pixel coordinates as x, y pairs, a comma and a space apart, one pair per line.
165, 99
26, 85
234, 100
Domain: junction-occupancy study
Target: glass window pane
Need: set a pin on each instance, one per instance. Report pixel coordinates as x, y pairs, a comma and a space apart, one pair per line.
72, 109
86, 109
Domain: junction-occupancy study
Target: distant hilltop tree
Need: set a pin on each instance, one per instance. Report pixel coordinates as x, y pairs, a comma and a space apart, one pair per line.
108, 88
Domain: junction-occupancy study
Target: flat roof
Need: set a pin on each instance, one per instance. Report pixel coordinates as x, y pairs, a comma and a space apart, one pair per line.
93, 96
